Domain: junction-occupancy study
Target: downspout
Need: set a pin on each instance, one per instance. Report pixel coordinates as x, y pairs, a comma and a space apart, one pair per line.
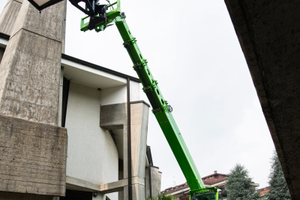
129, 141
150, 166
150, 182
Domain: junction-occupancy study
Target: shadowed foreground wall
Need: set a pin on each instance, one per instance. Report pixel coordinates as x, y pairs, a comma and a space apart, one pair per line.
269, 34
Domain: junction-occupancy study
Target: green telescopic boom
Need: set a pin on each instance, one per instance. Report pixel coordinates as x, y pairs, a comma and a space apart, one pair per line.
161, 109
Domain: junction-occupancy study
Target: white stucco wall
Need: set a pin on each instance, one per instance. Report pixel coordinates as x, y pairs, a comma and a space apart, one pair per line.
135, 90
113, 95
92, 154
117, 95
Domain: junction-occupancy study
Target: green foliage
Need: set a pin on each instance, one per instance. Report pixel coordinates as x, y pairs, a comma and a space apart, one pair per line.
162, 197
239, 185
279, 189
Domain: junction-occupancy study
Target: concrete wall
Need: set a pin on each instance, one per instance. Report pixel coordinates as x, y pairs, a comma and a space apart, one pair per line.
155, 181
9, 15
33, 147
92, 153
28, 86
32, 158
30, 65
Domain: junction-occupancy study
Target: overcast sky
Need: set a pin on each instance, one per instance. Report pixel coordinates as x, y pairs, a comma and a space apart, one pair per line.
193, 52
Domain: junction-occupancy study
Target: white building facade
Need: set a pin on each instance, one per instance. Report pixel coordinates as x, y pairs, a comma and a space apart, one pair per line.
99, 122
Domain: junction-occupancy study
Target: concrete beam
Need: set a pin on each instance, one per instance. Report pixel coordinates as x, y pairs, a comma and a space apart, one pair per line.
113, 186
115, 116
102, 188
81, 184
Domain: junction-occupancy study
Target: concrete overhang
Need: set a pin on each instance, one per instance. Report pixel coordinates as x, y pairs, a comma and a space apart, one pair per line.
92, 75
269, 34
86, 73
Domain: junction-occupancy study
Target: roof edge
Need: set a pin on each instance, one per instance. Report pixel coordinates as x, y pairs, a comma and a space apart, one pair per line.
83, 62
65, 56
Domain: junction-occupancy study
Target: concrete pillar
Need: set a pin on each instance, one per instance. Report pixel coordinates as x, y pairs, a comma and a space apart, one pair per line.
33, 147
10, 13
115, 117
9, 16
30, 65
139, 128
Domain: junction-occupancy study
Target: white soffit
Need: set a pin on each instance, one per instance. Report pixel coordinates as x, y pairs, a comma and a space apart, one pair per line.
85, 75
90, 77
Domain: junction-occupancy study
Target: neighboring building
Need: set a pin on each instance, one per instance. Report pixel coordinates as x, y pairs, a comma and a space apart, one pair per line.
263, 192
181, 192
217, 180
67, 126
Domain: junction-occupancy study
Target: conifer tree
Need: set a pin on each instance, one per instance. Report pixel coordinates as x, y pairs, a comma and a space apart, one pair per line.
279, 189
239, 185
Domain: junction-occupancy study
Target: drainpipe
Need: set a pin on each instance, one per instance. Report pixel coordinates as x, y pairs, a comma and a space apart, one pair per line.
129, 141
150, 182
148, 153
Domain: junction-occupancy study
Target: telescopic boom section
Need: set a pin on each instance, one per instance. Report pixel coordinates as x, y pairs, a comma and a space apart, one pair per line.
161, 109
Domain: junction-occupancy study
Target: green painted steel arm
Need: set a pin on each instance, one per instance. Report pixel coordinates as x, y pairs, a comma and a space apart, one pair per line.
161, 109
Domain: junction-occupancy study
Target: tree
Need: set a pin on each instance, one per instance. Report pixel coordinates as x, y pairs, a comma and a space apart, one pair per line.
239, 185
279, 189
